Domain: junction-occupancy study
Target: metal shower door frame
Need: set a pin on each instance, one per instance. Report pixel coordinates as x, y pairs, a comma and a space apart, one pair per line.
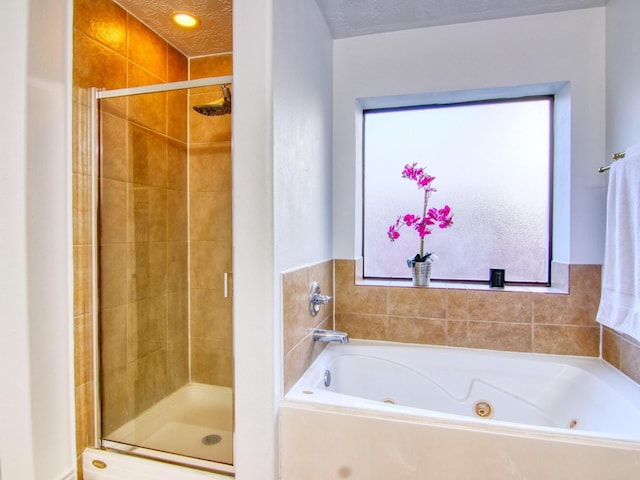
164, 87
93, 97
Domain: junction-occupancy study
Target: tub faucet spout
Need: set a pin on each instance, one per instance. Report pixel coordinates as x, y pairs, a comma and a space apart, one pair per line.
333, 336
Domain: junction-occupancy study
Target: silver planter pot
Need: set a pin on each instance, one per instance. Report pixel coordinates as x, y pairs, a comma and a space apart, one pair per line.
421, 273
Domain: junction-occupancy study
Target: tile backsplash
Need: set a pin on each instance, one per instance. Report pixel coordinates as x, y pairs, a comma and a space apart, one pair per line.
499, 320
622, 352
522, 321
298, 346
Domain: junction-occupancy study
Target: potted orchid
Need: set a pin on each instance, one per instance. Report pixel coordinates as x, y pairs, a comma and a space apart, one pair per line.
423, 224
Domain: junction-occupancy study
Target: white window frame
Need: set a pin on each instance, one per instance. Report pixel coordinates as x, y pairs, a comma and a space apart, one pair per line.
561, 191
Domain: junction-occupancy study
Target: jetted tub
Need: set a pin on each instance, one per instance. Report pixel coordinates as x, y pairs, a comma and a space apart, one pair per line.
382, 410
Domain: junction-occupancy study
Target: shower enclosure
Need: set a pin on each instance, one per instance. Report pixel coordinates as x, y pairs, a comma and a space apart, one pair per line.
163, 192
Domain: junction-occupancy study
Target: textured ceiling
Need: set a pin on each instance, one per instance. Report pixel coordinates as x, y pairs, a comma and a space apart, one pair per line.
345, 18
349, 18
211, 37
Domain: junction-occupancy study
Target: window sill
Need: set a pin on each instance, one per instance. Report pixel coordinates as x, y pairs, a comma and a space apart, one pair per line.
461, 286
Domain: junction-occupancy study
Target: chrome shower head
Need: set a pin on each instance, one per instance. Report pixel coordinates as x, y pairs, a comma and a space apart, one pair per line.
222, 106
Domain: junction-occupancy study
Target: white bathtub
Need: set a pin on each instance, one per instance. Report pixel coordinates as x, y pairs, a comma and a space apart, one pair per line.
398, 411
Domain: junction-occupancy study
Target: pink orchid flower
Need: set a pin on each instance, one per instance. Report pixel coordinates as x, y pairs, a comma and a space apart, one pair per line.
423, 229
430, 216
393, 233
410, 219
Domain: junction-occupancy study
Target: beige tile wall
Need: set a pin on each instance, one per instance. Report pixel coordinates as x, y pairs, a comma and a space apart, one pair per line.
210, 230
622, 352
299, 348
500, 320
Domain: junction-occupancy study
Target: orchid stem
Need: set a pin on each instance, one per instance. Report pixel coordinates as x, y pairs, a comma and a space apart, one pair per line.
427, 192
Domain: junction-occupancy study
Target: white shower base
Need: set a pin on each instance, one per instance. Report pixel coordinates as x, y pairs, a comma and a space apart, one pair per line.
192, 426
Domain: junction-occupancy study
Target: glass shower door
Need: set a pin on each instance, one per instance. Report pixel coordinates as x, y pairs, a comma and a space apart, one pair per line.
164, 255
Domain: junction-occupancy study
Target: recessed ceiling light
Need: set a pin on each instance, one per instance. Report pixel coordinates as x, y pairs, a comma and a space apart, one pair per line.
185, 19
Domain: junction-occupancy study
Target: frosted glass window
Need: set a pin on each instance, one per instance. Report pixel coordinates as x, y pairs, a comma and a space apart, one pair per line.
492, 165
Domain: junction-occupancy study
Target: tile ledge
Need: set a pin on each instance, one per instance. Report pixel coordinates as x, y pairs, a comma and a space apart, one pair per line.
460, 286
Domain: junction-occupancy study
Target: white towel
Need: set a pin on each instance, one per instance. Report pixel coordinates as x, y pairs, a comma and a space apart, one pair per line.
620, 298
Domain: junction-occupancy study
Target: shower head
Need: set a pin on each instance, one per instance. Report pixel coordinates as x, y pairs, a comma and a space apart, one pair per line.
222, 106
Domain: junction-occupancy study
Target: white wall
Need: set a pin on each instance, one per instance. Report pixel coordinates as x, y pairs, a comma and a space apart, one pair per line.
623, 75
36, 382
16, 437
560, 47
253, 287
282, 177
302, 107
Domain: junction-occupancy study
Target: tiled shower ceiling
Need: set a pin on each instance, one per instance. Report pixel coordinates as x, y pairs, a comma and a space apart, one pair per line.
213, 36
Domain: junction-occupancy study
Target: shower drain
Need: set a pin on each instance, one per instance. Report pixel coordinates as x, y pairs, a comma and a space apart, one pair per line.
211, 439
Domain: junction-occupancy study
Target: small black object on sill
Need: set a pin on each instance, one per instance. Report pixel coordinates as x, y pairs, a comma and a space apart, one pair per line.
496, 278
